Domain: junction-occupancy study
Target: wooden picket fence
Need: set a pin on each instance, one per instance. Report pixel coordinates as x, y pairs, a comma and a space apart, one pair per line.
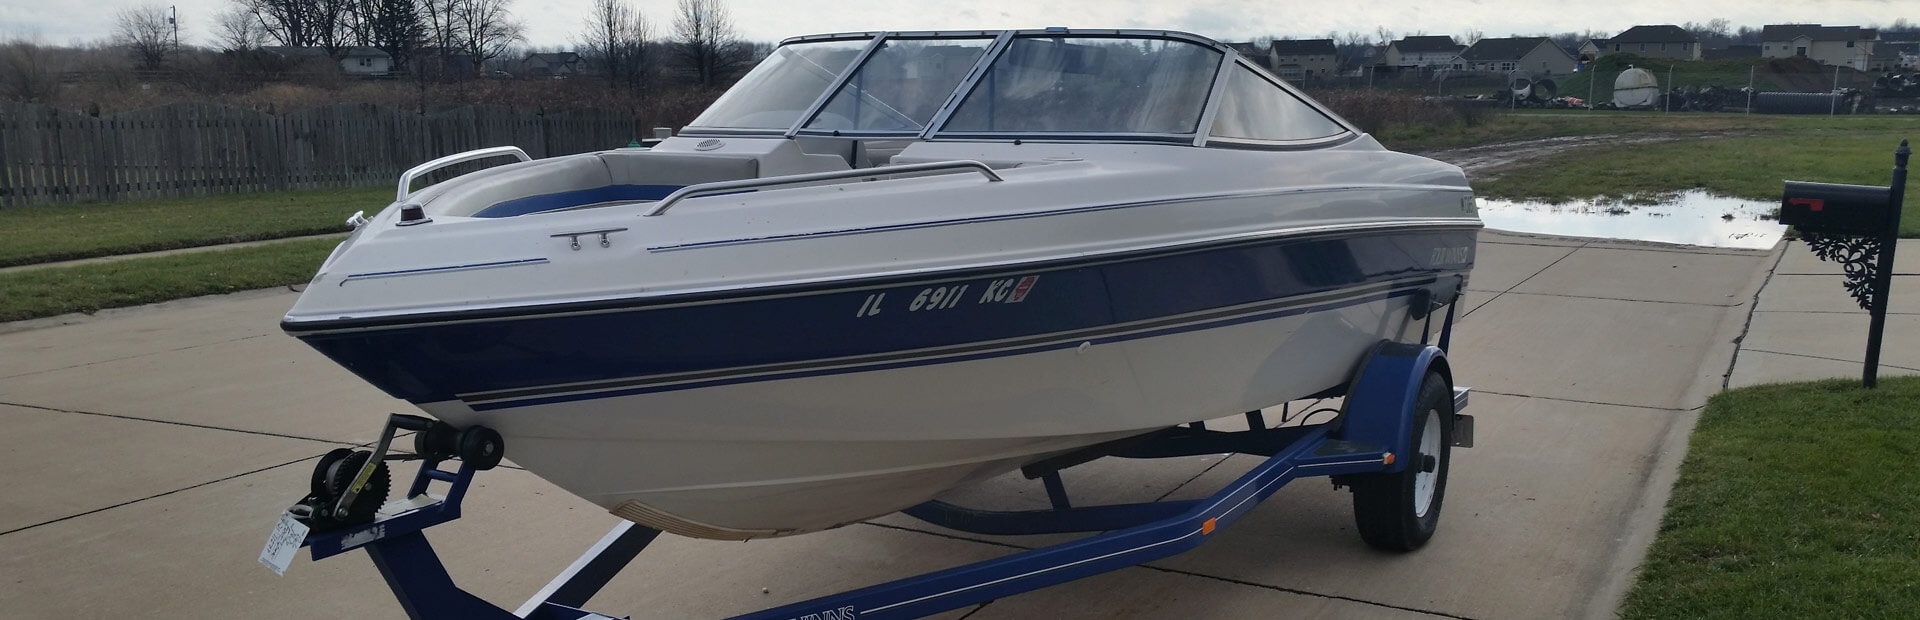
50, 156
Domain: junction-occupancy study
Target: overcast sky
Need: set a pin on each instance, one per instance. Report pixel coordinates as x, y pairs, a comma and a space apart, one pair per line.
554, 22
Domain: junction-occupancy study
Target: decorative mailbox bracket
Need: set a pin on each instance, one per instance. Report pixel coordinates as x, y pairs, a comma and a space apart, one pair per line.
1857, 226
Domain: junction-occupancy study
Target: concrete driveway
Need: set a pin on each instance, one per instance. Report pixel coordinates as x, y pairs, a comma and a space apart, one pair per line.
148, 452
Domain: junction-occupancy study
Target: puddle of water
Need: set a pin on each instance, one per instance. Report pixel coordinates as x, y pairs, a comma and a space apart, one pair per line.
1691, 218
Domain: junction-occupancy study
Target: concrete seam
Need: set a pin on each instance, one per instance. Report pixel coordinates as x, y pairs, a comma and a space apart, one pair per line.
186, 424
1643, 301
1627, 248
1583, 402
129, 357
1524, 281
191, 249
1833, 359
157, 495
1186, 573
1287, 590
1858, 312
1183, 484
1727, 378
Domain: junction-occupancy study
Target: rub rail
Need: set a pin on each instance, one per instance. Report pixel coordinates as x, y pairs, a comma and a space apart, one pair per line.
753, 184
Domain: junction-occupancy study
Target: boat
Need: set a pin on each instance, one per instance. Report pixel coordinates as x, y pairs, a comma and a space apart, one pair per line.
887, 264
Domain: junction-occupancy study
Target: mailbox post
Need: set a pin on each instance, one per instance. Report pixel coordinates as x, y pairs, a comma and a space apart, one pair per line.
1857, 226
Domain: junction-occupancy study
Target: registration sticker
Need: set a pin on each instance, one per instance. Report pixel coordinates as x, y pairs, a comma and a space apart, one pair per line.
283, 543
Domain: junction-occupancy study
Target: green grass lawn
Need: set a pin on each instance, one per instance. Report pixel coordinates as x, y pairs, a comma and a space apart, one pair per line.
50, 233
1795, 501
34, 293
1746, 167
1502, 126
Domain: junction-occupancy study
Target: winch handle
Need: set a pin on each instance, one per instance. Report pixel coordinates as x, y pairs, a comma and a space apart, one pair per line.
409, 422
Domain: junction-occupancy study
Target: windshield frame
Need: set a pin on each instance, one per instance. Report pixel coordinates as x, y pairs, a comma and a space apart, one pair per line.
1219, 88
1002, 40
999, 41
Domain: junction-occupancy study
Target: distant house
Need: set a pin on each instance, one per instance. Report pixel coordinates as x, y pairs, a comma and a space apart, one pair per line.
1299, 60
1254, 53
1731, 51
1846, 46
1904, 47
357, 60
1422, 52
364, 60
444, 63
1527, 55
554, 64
1884, 59
1592, 50
1661, 41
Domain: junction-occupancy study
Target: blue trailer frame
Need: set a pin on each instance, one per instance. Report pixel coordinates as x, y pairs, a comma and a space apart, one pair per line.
1374, 425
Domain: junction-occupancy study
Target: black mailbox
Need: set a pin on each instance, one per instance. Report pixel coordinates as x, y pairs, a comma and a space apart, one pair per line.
1834, 208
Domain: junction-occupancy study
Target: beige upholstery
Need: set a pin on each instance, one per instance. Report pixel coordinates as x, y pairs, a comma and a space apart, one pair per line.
682, 169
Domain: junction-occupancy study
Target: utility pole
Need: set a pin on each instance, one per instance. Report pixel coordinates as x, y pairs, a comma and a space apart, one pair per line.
1750, 87
173, 21
1593, 75
1668, 98
1833, 103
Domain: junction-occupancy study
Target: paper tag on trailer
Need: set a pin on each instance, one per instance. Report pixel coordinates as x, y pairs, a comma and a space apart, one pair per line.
283, 543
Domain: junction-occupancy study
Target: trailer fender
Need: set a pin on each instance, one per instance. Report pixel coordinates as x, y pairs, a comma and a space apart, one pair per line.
1380, 399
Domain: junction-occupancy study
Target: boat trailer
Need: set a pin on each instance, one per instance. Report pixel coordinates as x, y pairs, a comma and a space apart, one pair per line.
1389, 442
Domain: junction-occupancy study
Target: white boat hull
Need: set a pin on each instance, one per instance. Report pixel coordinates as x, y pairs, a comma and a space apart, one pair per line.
786, 456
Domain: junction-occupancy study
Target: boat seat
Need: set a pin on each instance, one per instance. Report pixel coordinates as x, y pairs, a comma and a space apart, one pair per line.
579, 181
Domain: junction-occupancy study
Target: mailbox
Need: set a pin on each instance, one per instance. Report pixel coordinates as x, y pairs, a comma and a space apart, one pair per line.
1832, 208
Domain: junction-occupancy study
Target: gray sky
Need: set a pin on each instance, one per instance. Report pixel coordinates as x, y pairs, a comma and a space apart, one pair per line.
554, 22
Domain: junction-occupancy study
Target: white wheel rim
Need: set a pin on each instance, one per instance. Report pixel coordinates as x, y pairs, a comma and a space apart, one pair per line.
1424, 482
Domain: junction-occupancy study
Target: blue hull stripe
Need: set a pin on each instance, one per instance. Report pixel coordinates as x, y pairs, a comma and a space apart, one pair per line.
509, 354
841, 368
576, 198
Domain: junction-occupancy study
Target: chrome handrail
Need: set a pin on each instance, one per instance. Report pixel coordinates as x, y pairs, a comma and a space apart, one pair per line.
746, 184
406, 178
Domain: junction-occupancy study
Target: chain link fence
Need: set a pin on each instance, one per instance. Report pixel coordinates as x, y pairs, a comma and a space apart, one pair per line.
1624, 82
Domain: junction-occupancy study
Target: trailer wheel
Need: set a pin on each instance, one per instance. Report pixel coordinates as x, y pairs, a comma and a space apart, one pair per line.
1400, 511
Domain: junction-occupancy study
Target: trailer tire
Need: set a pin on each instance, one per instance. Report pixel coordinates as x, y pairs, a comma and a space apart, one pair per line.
1399, 511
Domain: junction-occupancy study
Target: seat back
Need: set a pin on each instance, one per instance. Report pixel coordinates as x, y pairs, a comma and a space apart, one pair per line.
471, 194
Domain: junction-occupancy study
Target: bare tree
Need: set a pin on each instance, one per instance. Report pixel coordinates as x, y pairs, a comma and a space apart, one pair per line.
1714, 33
705, 42
27, 71
483, 29
288, 22
238, 30
146, 31
609, 33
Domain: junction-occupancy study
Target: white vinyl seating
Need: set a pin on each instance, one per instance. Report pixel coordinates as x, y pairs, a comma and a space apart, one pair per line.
578, 180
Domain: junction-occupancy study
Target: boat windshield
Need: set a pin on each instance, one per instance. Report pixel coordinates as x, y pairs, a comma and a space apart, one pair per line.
902, 85
782, 87
1091, 85
1054, 83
